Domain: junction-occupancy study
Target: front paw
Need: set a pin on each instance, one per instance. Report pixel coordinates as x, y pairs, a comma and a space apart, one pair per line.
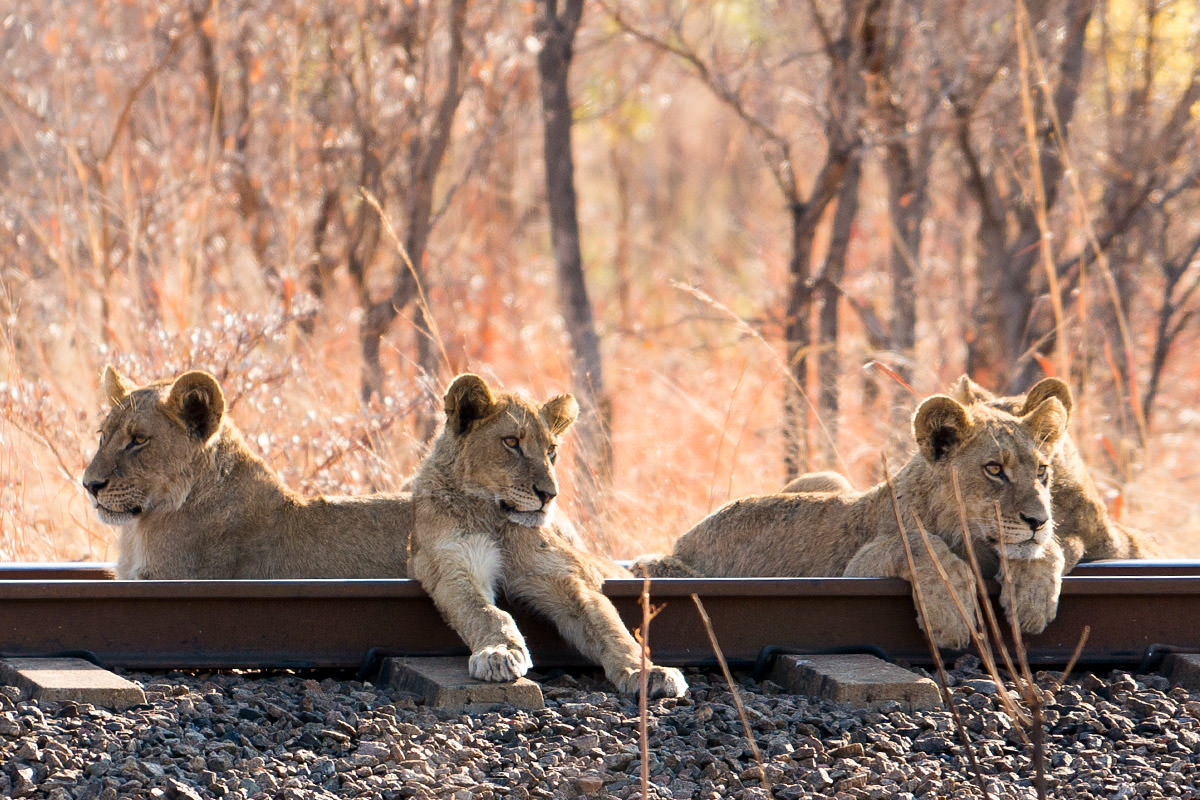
946, 627
1030, 596
660, 682
500, 662
943, 622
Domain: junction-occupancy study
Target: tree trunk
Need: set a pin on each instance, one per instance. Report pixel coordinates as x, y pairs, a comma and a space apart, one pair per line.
798, 336
907, 201
907, 152
829, 286
1174, 315
361, 246
594, 449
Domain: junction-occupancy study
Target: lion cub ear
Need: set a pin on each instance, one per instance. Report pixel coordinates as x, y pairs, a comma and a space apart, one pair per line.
968, 392
468, 398
1047, 423
1049, 387
940, 425
196, 400
559, 413
116, 388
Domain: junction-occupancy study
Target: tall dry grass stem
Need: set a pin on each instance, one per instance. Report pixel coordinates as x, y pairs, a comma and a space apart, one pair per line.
919, 598
891, 373
1029, 57
987, 653
733, 690
1041, 205
642, 635
1025, 683
422, 298
750, 331
1070, 667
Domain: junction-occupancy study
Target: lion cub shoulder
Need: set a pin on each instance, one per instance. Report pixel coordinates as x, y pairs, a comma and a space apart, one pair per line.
191, 500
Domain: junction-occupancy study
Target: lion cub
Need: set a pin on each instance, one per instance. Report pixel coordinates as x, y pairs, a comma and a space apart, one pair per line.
1082, 524
1003, 468
193, 502
485, 520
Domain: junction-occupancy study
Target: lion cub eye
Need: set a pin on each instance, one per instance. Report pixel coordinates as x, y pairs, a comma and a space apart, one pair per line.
994, 469
1043, 473
512, 443
552, 453
136, 443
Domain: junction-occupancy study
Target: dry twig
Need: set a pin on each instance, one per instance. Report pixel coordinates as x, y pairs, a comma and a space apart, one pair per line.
642, 635
733, 690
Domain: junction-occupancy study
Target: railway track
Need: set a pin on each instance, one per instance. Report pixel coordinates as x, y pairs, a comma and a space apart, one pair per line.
1134, 611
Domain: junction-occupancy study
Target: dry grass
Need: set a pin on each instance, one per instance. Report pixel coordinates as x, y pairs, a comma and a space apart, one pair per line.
692, 428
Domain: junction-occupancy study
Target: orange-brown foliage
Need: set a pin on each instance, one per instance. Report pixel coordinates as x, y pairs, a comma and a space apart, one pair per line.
132, 232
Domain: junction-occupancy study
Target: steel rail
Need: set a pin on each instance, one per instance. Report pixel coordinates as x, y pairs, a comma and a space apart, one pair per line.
1130, 609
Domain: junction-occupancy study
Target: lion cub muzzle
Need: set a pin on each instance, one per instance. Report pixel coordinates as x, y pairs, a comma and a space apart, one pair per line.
528, 507
1023, 537
115, 502
1035, 522
112, 510
515, 499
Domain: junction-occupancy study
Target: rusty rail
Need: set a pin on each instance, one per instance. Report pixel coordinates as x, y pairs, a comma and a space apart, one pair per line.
1129, 607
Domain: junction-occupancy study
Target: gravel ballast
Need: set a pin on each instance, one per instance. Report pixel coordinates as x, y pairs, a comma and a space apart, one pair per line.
238, 736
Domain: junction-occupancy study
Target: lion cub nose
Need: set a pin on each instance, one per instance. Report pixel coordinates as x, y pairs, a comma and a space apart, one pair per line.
1035, 522
94, 487
545, 495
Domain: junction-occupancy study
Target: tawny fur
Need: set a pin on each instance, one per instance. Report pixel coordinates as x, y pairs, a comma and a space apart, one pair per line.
1082, 523
1001, 461
486, 522
192, 501
818, 482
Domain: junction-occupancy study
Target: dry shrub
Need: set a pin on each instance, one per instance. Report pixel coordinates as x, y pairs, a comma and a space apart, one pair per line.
692, 427
127, 234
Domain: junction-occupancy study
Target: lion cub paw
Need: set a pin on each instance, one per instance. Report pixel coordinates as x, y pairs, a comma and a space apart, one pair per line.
499, 662
944, 623
1031, 598
660, 682
948, 630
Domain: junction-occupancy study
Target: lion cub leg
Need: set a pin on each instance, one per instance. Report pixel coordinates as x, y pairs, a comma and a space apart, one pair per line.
563, 590
461, 576
1029, 591
945, 625
1130, 542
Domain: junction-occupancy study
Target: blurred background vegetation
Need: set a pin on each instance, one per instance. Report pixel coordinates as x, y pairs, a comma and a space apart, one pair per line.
748, 235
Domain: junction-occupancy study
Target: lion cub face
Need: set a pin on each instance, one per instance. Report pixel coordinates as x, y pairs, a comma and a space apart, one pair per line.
148, 443
1002, 463
508, 447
